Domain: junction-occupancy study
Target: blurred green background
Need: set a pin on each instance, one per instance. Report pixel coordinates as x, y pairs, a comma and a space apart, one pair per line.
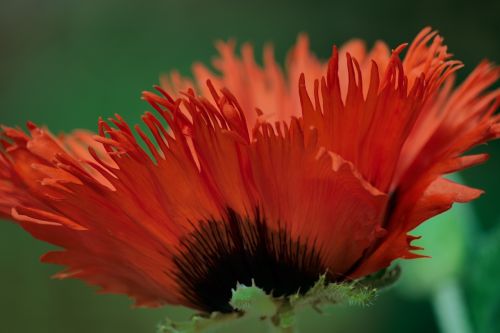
64, 63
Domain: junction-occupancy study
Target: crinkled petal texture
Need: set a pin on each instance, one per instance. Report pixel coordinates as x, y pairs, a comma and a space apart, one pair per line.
342, 158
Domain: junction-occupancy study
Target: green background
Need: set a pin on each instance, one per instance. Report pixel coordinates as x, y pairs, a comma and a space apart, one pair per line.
65, 63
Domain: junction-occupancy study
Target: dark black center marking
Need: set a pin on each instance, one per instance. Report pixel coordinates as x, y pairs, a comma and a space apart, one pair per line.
219, 254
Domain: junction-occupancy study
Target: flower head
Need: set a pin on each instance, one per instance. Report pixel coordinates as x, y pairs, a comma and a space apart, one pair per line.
260, 177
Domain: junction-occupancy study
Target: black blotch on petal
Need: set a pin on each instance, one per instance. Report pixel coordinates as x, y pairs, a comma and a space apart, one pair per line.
219, 254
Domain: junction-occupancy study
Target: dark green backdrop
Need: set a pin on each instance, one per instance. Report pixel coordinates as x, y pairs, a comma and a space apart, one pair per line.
64, 63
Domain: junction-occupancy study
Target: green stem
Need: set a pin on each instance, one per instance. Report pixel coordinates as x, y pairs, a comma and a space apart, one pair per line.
450, 309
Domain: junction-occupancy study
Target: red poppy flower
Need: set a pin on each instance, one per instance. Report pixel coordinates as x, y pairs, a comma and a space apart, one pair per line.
260, 175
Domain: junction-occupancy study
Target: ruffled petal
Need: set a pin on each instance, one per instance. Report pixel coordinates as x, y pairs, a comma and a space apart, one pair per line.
265, 92
119, 233
451, 123
315, 195
437, 198
217, 135
405, 130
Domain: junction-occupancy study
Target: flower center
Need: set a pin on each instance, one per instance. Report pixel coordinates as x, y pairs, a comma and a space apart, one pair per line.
220, 254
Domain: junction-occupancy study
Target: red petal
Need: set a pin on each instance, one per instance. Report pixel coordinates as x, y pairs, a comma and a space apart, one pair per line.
438, 198
315, 195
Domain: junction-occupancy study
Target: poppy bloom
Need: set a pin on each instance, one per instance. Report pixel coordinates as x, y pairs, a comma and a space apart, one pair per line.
259, 176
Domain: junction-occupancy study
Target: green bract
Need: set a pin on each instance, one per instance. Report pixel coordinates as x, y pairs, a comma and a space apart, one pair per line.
252, 303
